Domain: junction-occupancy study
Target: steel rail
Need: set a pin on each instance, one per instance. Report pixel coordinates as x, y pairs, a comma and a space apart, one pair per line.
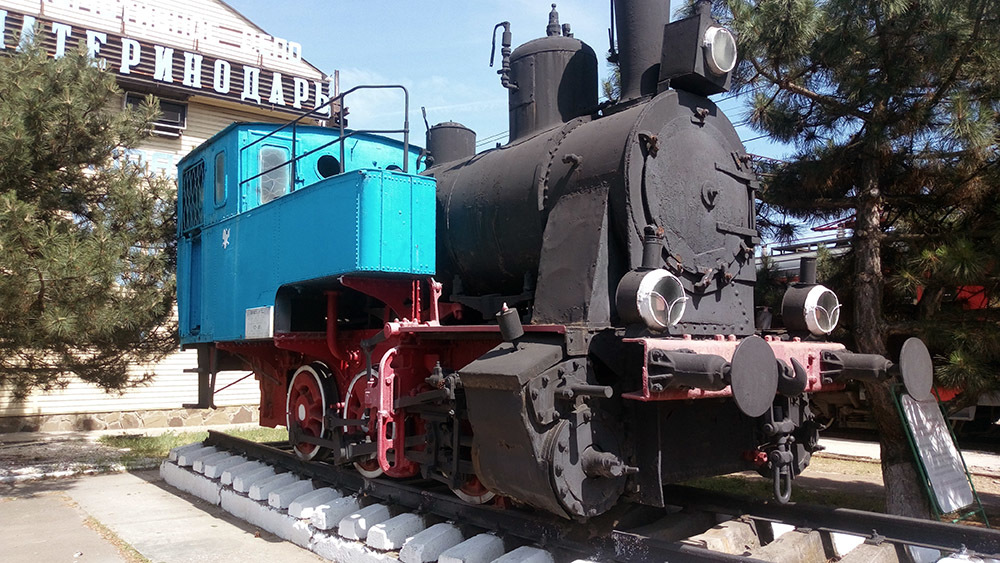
901, 530
554, 533
527, 526
549, 532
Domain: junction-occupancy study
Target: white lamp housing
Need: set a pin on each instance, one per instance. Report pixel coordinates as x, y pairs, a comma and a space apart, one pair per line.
654, 297
814, 308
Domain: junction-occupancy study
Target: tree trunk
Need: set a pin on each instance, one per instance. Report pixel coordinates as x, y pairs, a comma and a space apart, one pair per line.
869, 328
904, 493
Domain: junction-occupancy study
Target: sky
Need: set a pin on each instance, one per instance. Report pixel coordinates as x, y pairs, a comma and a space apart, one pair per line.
440, 51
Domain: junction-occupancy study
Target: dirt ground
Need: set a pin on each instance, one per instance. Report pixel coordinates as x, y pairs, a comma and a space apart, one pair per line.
58, 456
870, 470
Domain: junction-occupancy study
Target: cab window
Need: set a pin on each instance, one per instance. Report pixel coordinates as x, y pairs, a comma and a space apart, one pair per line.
277, 182
220, 179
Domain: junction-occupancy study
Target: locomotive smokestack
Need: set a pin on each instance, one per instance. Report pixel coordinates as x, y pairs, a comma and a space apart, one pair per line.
640, 44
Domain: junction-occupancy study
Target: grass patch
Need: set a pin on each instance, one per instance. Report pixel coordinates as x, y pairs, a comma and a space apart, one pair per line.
125, 549
842, 466
261, 434
140, 452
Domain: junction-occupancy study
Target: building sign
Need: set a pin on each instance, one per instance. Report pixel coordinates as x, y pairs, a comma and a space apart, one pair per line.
936, 450
142, 62
208, 26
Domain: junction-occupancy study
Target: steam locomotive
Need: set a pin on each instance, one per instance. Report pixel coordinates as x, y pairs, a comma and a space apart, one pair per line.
565, 321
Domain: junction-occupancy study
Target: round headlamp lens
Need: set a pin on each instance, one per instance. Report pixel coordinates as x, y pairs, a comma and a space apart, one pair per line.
721, 56
825, 312
661, 300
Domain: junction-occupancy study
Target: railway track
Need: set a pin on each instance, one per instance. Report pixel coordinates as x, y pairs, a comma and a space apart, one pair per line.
344, 517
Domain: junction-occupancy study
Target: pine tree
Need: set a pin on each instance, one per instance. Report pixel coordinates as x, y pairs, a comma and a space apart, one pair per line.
86, 234
892, 107
946, 285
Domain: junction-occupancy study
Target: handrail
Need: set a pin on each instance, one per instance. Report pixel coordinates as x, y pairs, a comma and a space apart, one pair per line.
406, 118
346, 136
342, 136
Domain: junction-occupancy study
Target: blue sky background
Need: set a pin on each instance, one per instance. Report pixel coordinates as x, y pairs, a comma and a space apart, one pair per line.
439, 50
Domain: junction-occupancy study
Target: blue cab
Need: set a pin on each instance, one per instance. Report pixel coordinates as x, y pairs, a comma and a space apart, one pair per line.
251, 221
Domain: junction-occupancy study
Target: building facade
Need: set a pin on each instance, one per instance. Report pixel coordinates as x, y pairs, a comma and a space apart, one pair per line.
208, 66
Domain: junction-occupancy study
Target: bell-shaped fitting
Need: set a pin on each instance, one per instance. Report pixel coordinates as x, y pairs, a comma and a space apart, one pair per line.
655, 298
811, 308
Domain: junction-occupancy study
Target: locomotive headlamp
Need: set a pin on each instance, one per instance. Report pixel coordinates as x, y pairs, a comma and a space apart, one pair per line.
698, 54
812, 307
720, 47
653, 297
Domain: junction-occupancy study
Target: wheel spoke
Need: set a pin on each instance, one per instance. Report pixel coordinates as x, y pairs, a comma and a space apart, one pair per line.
354, 410
306, 406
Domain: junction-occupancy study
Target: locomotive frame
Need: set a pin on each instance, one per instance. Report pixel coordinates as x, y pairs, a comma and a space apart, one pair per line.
564, 321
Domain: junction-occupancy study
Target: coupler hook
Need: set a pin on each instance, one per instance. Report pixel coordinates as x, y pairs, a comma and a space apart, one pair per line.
781, 472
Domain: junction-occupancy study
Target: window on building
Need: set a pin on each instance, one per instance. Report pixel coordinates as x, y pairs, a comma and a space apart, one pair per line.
273, 183
220, 178
173, 114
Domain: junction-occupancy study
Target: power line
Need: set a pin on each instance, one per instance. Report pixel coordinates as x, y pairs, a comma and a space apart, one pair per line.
491, 139
738, 94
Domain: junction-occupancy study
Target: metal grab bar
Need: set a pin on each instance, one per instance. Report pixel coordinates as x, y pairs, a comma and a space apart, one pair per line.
342, 136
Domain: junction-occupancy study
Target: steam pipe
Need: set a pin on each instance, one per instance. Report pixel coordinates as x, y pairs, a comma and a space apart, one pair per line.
505, 51
640, 26
331, 326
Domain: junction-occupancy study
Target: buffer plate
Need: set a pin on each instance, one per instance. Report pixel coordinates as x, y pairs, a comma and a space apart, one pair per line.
916, 369
754, 376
